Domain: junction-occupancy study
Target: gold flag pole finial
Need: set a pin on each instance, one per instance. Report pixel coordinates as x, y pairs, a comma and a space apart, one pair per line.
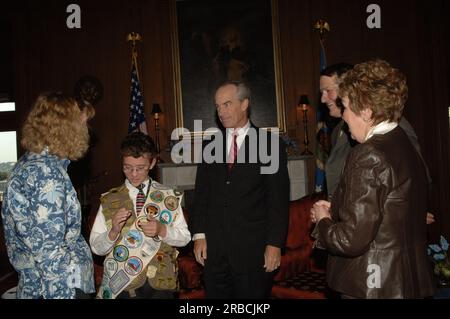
134, 37
321, 26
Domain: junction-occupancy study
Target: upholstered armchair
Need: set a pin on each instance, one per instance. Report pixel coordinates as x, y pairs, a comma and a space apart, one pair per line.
302, 271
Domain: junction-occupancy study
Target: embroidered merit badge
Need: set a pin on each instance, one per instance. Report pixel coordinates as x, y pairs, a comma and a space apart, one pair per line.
157, 196
106, 293
120, 253
133, 266
171, 203
149, 247
166, 217
111, 267
133, 239
151, 211
118, 281
141, 220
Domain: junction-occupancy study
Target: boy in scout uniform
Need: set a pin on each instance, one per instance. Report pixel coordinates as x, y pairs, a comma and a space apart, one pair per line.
136, 228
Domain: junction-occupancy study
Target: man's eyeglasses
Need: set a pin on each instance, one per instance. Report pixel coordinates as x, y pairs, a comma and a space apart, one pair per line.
138, 169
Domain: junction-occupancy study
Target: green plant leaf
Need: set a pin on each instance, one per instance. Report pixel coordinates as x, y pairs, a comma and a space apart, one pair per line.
435, 248
444, 243
439, 257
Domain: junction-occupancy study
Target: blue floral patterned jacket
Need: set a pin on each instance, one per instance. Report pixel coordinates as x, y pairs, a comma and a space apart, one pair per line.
42, 222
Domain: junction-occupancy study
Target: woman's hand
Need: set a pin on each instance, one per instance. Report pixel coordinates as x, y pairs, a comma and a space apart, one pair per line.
320, 209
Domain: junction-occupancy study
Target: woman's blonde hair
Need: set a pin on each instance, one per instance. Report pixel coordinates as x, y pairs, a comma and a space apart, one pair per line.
377, 86
55, 122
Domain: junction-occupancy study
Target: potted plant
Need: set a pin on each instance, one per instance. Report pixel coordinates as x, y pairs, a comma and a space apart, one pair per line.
438, 252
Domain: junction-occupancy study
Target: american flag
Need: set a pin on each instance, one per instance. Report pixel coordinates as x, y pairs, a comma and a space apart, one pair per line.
137, 114
322, 129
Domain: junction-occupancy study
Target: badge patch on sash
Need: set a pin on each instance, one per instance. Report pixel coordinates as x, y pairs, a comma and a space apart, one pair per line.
157, 196
140, 220
118, 281
133, 239
110, 267
166, 217
133, 266
120, 253
152, 211
171, 203
133, 251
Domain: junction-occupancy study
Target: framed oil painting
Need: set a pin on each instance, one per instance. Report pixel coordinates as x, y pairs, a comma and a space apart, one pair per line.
216, 41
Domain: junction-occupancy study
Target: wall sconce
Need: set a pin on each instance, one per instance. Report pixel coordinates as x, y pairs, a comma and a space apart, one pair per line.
155, 111
303, 104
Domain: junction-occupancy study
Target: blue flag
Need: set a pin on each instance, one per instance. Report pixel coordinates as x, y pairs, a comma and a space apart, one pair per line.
137, 115
321, 136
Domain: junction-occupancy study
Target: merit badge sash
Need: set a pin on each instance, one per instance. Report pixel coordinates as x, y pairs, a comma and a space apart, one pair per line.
133, 251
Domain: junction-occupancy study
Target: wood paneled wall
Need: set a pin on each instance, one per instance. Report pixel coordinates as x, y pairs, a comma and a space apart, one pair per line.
49, 56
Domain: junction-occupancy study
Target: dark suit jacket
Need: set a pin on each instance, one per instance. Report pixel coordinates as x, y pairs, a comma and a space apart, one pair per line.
340, 148
243, 211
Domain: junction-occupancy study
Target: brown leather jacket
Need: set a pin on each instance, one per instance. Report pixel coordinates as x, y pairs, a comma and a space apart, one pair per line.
377, 235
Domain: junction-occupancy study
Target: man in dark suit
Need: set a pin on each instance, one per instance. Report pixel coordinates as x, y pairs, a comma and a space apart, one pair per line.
240, 214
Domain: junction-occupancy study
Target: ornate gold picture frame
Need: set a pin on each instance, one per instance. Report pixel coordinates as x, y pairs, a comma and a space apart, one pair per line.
215, 41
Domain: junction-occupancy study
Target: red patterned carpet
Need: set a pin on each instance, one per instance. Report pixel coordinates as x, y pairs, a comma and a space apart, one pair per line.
307, 285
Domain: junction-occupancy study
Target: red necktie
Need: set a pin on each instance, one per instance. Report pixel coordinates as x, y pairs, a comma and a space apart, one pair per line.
140, 199
233, 152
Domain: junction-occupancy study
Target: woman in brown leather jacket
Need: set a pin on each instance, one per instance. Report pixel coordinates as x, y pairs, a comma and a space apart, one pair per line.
374, 228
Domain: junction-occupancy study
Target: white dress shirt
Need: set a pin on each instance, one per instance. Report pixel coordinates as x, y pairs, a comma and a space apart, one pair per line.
242, 132
177, 233
381, 129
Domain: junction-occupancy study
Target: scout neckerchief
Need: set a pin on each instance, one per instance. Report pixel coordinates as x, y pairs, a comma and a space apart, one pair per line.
134, 251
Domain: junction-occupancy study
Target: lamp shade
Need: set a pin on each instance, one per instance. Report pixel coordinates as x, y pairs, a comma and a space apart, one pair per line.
303, 100
156, 109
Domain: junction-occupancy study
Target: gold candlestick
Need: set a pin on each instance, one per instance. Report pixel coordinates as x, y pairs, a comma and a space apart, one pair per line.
303, 104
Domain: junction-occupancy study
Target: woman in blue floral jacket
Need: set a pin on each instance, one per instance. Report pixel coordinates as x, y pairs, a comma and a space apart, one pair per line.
41, 213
